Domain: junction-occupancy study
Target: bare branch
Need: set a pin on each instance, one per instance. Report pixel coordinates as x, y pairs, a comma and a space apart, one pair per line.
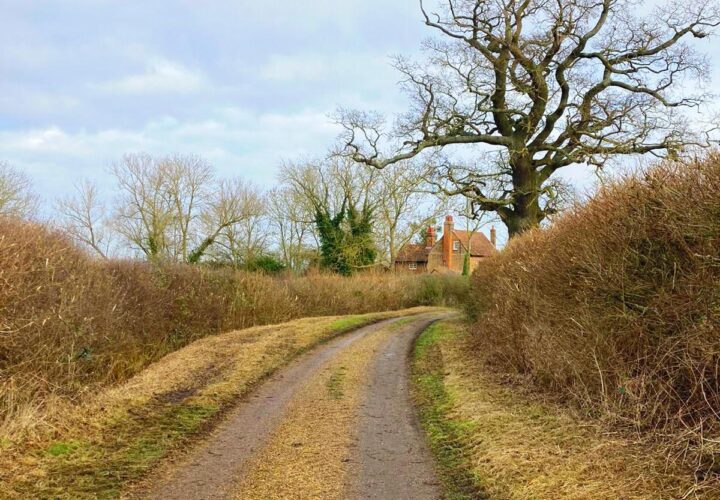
16, 196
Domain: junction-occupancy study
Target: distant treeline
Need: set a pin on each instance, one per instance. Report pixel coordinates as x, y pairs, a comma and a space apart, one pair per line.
71, 323
332, 213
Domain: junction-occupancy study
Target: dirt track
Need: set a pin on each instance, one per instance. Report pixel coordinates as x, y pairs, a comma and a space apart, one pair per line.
336, 423
392, 459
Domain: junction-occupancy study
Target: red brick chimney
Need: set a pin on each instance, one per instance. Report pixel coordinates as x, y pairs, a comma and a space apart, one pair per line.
493, 236
447, 241
430, 237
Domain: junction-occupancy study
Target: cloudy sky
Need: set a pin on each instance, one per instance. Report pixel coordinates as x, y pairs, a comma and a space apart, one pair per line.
243, 83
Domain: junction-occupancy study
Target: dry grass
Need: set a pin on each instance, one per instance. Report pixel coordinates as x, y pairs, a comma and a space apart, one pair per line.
497, 440
71, 325
99, 447
616, 308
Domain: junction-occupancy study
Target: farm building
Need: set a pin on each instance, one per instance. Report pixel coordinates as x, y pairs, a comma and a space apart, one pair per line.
447, 254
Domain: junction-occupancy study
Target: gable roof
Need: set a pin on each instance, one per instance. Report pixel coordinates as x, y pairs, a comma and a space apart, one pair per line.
480, 246
412, 252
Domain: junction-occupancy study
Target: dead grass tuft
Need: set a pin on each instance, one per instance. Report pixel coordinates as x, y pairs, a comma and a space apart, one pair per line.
501, 441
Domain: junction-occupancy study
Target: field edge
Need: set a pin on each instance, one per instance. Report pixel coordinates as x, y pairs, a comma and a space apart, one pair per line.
494, 438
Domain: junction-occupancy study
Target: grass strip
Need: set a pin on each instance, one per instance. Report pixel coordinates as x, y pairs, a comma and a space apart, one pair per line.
448, 437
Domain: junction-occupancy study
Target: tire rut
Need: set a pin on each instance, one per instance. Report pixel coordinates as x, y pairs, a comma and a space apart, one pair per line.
392, 459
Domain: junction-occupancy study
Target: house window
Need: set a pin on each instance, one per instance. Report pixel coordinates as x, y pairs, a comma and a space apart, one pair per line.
456, 245
412, 266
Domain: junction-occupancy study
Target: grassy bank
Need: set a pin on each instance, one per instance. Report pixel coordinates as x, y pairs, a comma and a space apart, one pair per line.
72, 325
616, 309
449, 438
494, 439
100, 447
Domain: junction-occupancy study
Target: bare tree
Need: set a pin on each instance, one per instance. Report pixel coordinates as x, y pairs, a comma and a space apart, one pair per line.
145, 214
293, 227
85, 218
16, 196
404, 207
173, 208
236, 223
543, 85
329, 184
342, 202
187, 182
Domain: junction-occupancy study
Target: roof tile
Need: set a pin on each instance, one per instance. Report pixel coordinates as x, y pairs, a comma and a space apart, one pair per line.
480, 246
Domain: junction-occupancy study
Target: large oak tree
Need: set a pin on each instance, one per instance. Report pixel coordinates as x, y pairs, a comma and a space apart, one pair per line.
542, 85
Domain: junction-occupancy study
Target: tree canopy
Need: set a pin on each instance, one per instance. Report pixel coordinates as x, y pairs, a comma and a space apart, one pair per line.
540, 85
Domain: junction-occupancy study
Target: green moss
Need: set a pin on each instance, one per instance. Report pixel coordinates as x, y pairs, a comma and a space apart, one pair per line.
348, 322
135, 443
448, 438
335, 383
400, 323
59, 449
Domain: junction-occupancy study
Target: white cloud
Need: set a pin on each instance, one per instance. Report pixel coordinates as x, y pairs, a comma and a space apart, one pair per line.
160, 76
238, 142
31, 102
337, 67
27, 56
287, 68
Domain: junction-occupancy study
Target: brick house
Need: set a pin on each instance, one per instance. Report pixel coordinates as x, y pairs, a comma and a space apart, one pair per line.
447, 254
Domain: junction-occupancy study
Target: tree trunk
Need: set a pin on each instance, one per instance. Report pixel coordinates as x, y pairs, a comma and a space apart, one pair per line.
526, 212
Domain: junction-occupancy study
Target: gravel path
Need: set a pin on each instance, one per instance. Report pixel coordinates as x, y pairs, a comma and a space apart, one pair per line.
390, 459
